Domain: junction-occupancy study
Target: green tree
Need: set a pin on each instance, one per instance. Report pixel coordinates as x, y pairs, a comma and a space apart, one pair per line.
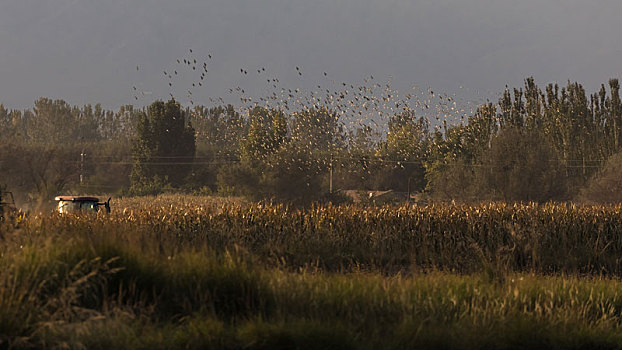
55, 121
293, 174
11, 125
260, 170
606, 185
39, 171
356, 164
116, 126
164, 147
450, 166
317, 130
5, 122
218, 129
520, 165
403, 153
51, 121
267, 131
614, 115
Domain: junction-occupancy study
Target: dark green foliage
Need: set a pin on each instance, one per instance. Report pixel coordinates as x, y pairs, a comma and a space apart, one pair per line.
452, 179
11, 126
566, 136
164, 147
57, 122
218, 130
106, 167
282, 159
240, 179
512, 149
38, 172
266, 132
354, 168
316, 130
403, 154
606, 185
520, 166
40, 150
296, 175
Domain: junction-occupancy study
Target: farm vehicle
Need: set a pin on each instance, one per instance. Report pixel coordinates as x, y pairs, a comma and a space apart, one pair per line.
75, 204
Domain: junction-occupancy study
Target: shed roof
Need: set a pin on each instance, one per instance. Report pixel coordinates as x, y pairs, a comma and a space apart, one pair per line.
76, 199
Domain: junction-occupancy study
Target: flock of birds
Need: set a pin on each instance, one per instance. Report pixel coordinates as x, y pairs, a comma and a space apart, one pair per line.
367, 105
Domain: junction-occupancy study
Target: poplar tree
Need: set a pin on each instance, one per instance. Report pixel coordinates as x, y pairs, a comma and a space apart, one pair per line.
164, 147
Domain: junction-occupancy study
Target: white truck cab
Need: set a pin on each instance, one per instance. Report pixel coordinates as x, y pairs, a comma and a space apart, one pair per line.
72, 204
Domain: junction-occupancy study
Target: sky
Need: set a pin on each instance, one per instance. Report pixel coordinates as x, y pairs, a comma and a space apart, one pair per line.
94, 51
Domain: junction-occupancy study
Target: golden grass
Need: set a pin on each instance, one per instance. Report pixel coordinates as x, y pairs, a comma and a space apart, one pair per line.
195, 272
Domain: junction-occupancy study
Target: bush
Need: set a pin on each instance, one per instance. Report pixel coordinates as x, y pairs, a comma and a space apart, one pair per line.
606, 185
520, 166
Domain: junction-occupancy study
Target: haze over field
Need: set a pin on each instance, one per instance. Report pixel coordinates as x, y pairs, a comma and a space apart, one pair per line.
279, 174
87, 51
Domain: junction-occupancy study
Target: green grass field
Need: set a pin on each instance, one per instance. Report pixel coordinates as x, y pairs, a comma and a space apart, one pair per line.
193, 272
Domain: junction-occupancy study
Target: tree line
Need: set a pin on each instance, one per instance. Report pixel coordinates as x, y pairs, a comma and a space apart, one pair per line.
533, 144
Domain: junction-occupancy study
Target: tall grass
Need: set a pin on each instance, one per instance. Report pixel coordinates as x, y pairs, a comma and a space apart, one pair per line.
549, 238
201, 274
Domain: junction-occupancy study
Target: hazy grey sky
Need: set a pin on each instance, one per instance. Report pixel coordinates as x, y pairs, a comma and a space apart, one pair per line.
86, 51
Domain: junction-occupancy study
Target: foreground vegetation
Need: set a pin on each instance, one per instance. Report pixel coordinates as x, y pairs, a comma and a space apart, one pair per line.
191, 272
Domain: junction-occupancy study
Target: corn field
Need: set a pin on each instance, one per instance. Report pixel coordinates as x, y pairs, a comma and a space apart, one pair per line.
198, 272
548, 238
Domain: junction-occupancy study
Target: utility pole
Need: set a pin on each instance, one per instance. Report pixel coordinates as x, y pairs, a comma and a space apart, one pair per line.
330, 179
82, 166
